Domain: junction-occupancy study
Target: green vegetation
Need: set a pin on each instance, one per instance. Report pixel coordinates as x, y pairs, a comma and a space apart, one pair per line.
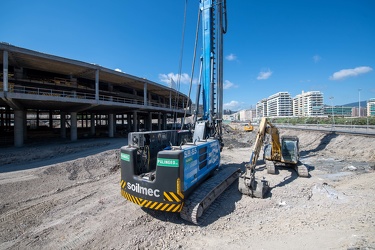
326, 120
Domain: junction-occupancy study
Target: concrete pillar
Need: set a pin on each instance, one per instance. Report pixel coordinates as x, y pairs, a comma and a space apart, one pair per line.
170, 99
136, 100
164, 121
5, 71
114, 123
18, 128
159, 121
129, 122
149, 99
159, 102
135, 121
145, 94
73, 126
25, 124
62, 125
110, 126
92, 124
50, 113
82, 120
2, 119
7, 117
149, 122
37, 118
85, 118
97, 85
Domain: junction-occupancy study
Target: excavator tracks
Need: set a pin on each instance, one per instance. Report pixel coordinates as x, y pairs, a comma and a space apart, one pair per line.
271, 169
199, 201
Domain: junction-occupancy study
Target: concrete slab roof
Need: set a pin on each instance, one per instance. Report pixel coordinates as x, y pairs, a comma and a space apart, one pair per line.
25, 58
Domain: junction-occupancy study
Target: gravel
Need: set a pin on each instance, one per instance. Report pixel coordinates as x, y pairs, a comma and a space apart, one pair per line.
68, 197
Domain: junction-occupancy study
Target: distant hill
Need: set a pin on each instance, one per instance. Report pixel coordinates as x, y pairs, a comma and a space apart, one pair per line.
229, 112
355, 104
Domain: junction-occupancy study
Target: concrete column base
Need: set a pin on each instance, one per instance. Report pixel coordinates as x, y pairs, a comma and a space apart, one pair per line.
110, 126
19, 128
73, 126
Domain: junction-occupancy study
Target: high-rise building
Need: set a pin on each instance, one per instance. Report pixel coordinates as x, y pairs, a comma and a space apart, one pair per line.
261, 108
359, 112
279, 104
308, 104
371, 107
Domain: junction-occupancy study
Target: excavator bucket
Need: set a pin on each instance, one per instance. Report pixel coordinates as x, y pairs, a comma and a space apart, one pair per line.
253, 187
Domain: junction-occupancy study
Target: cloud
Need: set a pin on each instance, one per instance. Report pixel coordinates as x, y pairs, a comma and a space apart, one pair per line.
345, 73
316, 58
118, 70
166, 78
227, 85
233, 105
263, 75
231, 57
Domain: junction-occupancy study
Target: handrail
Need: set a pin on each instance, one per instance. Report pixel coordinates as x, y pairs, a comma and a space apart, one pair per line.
77, 94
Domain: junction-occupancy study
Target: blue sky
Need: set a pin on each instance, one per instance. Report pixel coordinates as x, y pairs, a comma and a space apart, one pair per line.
271, 45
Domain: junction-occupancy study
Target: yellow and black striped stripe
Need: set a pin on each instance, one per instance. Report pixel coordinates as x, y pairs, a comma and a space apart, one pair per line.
173, 197
176, 206
123, 184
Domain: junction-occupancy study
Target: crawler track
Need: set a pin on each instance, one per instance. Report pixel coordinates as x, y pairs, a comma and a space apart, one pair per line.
198, 202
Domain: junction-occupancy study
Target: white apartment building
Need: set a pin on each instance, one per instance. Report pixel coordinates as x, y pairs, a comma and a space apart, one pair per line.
247, 115
371, 107
279, 104
308, 104
261, 108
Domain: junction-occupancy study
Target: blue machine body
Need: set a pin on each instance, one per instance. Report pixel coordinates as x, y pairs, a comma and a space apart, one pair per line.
159, 176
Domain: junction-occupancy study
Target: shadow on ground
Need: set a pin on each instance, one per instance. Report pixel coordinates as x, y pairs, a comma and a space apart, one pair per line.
322, 145
222, 206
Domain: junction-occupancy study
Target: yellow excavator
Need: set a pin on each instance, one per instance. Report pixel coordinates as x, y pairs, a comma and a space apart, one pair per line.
248, 127
284, 150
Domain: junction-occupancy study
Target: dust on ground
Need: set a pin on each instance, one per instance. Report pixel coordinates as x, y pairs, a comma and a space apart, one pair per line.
76, 203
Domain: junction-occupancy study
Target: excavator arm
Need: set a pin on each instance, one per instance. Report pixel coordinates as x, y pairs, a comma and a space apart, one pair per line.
247, 183
275, 140
258, 144
265, 127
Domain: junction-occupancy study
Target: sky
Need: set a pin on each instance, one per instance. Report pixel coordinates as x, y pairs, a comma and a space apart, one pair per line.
271, 45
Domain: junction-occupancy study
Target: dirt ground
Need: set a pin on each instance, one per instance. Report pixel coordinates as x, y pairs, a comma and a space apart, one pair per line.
67, 196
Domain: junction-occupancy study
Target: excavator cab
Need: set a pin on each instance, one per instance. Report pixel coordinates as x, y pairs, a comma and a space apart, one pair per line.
290, 149
287, 153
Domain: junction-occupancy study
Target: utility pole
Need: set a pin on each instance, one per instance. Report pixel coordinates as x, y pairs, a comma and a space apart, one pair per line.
359, 102
333, 115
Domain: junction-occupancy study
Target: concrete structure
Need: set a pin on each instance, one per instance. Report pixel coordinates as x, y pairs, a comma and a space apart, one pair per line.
279, 105
340, 111
261, 108
247, 114
65, 94
371, 107
358, 112
308, 104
